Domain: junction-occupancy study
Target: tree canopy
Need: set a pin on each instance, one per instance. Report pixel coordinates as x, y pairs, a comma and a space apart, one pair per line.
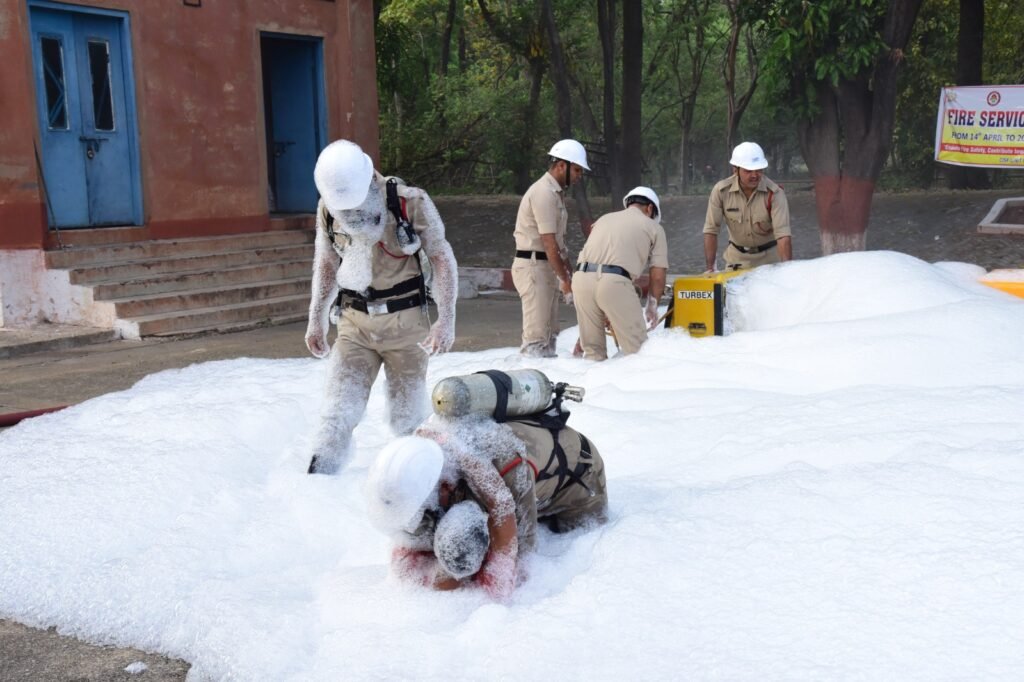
473, 92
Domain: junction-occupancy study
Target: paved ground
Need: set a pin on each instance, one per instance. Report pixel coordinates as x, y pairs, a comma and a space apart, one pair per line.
932, 226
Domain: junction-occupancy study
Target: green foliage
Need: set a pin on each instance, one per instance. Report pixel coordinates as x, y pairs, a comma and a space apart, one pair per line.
466, 130
930, 65
819, 42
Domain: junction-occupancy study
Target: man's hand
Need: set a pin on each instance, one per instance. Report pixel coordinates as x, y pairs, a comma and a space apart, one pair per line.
440, 338
710, 252
565, 286
651, 312
498, 575
316, 342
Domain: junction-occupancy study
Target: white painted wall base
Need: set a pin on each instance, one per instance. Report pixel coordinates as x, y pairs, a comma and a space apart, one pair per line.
30, 294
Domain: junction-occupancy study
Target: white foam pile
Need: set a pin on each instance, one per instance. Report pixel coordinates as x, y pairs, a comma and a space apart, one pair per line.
834, 492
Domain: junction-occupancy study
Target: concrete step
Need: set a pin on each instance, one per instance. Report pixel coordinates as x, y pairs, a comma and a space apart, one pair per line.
82, 256
155, 304
227, 328
16, 342
220, 277
124, 272
252, 313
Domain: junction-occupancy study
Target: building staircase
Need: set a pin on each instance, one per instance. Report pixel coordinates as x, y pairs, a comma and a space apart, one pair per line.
187, 286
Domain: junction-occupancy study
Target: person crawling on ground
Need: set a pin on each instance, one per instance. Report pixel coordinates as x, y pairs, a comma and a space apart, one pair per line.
461, 498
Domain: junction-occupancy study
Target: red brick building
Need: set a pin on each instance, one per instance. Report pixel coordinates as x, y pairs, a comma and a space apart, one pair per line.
159, 119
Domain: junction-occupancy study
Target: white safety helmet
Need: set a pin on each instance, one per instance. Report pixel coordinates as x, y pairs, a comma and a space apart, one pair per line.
646, 193
461, 539
571, 151
400, 480
748, 156
342, 175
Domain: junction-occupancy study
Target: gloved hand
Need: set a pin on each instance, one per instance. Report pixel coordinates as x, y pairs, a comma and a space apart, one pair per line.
498, 575
651, 312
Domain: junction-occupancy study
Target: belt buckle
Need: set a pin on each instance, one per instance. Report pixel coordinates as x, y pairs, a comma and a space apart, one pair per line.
373, 309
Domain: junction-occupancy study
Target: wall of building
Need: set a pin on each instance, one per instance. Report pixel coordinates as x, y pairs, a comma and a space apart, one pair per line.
200, 108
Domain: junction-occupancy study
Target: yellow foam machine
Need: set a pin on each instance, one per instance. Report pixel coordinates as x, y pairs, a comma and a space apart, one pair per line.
1008, 280
698, 303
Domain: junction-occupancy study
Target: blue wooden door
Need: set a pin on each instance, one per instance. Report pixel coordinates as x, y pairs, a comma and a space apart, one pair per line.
86, 125
292, 103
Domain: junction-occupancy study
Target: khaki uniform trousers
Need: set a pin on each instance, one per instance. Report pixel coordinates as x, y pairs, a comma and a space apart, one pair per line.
556, 499
603, 296
538, 289
364, 343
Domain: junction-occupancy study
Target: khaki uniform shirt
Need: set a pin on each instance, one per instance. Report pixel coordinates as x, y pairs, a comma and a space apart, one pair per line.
749, 221
541, 211
629, 239
390, 266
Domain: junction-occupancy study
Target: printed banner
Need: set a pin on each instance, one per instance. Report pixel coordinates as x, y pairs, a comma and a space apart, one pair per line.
981, 125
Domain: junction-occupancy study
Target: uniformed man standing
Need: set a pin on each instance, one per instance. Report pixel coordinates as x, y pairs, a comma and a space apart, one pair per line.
617, 251
372, 256
755, 211
541, 272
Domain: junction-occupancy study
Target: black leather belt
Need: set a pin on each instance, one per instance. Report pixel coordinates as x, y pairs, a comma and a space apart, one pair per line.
537, 255
597, 267
382, 307
754, 249
404, 287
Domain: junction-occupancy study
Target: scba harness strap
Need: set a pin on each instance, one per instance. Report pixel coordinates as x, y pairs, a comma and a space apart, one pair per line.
396, 204
553, 419
405, 234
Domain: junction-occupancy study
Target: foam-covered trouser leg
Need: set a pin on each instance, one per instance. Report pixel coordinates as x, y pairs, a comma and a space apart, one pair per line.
406, 372
364, 343
538, 289
351, 374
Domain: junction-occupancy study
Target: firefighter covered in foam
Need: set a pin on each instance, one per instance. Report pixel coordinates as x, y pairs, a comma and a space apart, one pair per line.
378, 264
462, 498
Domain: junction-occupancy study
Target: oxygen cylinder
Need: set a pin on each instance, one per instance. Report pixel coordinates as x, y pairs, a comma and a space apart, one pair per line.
530, 392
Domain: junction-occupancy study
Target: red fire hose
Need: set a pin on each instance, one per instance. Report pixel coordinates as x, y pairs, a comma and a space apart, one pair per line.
12, 418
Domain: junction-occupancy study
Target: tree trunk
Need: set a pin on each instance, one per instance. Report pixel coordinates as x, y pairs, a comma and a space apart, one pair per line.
446, 37
462, 48
858, 118
524, 157
606, 29
685, 146
729, 75
969, 53
737, 105
559, 77
632, 95
563, 105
